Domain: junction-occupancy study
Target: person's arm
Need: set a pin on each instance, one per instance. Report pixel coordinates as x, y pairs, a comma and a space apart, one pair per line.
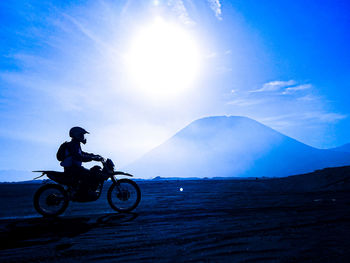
78, 155
87, 157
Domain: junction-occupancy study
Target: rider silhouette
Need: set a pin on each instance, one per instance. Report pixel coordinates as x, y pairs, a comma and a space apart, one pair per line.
74, 157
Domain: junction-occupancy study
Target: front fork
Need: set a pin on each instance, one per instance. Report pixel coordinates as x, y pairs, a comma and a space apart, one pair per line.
115, 182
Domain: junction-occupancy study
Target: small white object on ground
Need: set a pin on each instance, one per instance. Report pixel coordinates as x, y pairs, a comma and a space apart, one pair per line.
181, 189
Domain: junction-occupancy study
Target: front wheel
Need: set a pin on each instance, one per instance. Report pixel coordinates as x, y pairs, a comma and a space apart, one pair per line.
124, 196
50, 200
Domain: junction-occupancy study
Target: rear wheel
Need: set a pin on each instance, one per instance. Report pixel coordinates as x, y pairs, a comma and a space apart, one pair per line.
50, 200
124, 196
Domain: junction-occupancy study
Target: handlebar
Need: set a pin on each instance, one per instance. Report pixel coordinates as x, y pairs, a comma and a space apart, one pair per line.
99, 158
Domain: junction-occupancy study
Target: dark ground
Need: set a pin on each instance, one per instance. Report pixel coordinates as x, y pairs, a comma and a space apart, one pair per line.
210, 221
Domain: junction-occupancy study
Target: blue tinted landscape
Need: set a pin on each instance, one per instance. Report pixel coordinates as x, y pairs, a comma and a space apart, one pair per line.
215, 220
219, 128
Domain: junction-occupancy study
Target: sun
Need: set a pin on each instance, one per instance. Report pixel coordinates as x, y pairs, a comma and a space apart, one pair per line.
162, 60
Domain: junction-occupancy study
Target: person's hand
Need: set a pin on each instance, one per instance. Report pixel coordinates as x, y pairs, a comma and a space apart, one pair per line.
98, 158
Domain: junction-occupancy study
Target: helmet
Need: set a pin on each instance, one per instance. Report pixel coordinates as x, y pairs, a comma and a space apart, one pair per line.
78, 134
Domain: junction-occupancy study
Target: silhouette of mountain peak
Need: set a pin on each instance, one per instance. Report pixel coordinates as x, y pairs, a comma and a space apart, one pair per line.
226, 121
229, 146
216, 122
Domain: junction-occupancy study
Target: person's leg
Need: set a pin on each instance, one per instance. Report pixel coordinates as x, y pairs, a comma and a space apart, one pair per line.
96, 174
84, 176
79, 175
72, 174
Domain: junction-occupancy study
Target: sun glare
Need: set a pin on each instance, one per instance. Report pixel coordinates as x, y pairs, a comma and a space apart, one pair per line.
163, 60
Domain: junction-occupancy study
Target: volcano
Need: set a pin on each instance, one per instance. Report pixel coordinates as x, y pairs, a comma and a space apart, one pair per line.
233, 146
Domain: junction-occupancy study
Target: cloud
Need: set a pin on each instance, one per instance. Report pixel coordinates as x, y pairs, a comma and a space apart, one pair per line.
295, 109
77, 79
242, 102
326, 117
102, 45
291, 90
275, 85
180, 10
282, 87
215, 5
308, 97
291, 119
310, 125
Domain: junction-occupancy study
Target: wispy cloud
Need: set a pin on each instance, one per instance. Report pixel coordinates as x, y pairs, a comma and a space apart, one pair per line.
244, 102
215, 5
100, 43
291, 90
275, 85
291, 119
180, 10
281, 87
326, 117
293, 108
77, 78
308, 97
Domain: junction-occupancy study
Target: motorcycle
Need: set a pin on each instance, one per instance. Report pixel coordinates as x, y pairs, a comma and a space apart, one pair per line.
52, 199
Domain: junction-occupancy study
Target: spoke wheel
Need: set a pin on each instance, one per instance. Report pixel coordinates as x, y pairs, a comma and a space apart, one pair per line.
50, 200
124, 196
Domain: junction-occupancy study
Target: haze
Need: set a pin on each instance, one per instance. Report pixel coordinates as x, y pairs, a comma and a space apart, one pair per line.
135, 73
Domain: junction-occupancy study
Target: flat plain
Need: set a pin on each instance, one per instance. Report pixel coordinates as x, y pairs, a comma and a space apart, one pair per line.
263, 220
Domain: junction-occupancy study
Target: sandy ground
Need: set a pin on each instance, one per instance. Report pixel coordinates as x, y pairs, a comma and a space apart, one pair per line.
209, 221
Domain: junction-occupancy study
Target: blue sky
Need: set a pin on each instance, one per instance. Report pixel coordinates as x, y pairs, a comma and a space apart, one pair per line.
283, 63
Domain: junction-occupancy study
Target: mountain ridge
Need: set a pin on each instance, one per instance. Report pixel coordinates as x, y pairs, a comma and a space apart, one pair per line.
231, 146
342, 148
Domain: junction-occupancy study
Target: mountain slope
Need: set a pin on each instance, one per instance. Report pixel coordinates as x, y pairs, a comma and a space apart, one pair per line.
15, 175
343, 148
233, 146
